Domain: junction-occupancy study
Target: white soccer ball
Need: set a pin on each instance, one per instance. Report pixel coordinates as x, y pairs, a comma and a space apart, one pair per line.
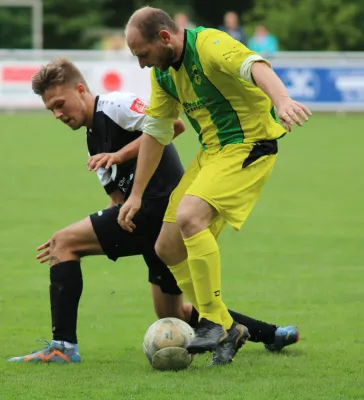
165, 344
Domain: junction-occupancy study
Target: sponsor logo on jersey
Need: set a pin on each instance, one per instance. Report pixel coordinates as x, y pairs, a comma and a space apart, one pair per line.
196, 75
195, 105
138, 106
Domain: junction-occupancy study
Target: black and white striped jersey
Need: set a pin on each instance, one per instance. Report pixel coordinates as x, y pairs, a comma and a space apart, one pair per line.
118, 120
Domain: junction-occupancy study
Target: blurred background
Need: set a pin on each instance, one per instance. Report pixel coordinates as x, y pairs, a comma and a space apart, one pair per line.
315, 46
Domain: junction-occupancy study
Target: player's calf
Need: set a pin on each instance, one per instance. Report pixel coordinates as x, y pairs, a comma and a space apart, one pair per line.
170, 247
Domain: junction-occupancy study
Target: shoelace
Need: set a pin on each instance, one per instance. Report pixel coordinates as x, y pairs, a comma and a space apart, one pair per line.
41, 341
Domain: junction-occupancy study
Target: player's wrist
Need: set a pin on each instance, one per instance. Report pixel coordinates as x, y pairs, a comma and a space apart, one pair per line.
281, 99
137, 195
119, 157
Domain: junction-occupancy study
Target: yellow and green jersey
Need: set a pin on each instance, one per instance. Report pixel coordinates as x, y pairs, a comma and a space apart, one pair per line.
222, 107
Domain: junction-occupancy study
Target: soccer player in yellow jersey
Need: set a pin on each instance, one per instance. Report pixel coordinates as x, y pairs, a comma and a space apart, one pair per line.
228, 94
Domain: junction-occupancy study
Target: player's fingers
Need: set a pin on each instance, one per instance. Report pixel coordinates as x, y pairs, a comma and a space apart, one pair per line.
305, 109
101, 163
121, 219
130, 215
286, 127
44, 246
93, 161
295, 117
44, 260
301, 113
122, 213
90, 160
90, 164
132, 225
125, 226
41, 255
110, 163
286, 121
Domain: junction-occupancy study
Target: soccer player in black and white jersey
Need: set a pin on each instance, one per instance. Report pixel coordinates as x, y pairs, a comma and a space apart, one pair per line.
114, 125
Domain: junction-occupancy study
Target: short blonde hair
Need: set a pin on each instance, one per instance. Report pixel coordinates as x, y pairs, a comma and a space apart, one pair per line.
57, 72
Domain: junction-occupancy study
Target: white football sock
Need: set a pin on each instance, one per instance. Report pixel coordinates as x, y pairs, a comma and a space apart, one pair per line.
67, 345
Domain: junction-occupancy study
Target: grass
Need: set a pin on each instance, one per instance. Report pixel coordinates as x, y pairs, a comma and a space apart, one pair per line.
298, 260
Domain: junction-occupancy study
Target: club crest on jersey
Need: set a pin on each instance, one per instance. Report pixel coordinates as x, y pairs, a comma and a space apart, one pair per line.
196, 75
138, 106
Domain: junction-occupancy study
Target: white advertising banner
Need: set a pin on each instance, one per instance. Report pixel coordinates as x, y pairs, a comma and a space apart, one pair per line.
102, 77
326, 81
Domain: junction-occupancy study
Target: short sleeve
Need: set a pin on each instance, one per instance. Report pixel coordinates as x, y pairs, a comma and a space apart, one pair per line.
126, 109
223, 53
162, 105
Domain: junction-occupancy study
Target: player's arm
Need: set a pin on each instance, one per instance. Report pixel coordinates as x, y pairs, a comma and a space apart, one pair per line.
127, 111
111, 188
232, 57
158, 131
128, 152
288, 110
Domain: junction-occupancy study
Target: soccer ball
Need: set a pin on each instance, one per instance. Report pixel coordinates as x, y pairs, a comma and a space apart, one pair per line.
165, 344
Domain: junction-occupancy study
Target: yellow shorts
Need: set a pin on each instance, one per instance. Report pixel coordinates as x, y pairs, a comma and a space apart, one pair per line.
230, 180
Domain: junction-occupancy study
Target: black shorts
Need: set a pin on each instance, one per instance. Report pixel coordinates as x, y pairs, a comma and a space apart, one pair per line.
116, 242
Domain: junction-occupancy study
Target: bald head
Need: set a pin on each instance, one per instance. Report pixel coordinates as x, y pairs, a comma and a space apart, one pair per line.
149, 21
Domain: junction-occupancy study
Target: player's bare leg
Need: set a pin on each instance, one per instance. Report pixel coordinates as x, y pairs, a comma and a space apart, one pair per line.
169, 305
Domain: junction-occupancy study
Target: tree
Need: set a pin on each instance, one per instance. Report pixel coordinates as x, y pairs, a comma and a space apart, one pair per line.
66, 22
15, 28
122, 9
311, 24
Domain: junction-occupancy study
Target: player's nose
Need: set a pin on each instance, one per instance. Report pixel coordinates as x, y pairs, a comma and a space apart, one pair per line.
57, 114
142, 63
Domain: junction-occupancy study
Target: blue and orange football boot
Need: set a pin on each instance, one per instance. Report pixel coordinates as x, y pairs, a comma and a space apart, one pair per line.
284, 336
55, 352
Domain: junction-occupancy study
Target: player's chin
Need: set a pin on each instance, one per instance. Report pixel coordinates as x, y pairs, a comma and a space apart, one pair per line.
75, 126
164, 67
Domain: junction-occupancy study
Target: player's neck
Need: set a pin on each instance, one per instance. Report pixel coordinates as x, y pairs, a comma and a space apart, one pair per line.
90, 107
180, 42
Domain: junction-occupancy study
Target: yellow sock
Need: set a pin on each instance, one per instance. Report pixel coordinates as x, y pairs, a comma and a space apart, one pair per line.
226, 318
181, 273
204, 261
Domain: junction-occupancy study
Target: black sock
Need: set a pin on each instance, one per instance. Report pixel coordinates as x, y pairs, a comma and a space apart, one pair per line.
259, 331
65, 292
194, 318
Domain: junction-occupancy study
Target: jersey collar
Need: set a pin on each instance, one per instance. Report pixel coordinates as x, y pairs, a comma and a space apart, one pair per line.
177, 65
94, 116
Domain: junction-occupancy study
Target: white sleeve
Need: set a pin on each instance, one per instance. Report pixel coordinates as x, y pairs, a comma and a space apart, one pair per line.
161, 129
246, 67
125, 109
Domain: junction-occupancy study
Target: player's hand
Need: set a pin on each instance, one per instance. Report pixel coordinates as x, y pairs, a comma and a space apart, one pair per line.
292, 112
105, 160
128, 211
44, 257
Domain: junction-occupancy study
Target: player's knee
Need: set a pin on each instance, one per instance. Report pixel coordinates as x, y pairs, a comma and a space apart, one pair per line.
62, 241
170, 252
194, 215
163, 250
189, 222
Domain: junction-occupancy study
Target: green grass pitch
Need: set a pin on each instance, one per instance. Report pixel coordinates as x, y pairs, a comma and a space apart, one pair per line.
298, 260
